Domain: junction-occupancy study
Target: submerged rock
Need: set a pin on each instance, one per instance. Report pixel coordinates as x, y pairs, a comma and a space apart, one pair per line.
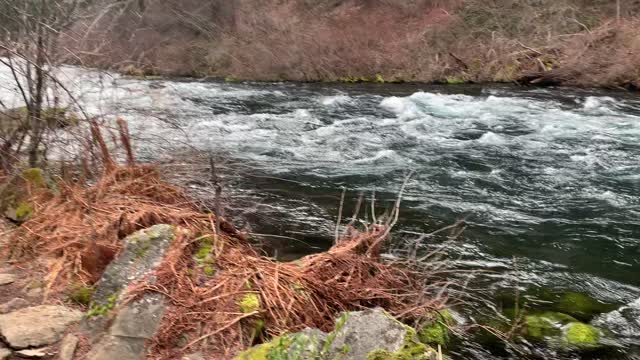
544, 325
37, 326
364, 335
581, 306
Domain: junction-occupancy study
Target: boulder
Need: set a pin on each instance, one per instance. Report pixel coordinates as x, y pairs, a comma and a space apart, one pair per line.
6, 279
142, 253
36, 326
134, 323
582, 336
364, 335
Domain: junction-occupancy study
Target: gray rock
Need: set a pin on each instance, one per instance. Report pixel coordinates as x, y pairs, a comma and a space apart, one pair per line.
624, 322
36, 326
6, 279
143, 252
356, 335
137, 321
13, 304
366, 331
116, 347
68, 347
4, 353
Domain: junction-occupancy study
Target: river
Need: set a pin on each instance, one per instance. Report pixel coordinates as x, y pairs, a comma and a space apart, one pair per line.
548, 177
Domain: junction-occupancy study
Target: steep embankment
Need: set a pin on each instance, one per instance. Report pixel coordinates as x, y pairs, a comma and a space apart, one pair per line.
575, 42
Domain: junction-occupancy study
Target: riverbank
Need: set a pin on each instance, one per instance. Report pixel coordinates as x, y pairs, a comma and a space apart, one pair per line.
565, 42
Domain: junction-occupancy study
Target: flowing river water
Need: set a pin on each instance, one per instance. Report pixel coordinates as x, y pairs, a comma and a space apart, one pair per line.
548, 180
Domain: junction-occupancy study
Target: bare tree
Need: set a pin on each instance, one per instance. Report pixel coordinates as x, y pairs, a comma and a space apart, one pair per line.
29, 34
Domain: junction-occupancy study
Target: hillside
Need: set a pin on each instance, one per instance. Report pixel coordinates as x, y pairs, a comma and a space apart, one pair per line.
573, 42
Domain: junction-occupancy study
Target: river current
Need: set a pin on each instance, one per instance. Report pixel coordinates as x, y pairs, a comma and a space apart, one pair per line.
548, 177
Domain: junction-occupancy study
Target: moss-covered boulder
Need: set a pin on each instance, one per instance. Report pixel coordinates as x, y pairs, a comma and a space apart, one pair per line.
581, 306
539, 326
436, 331
15, 194
370, 334
582, 336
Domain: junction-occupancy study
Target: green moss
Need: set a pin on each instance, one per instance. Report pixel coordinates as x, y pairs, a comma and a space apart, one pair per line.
204, 251
34, 176
455, 80
342, 320
437, 332
24, 211
231, 79
412, 349
208, 270
379, 79
581, 306
249, 303
545, 324
100, 310
582, 335
82, 295
256, 353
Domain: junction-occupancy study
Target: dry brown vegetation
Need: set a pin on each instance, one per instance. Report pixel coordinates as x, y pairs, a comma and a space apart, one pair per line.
80, 228
351, 40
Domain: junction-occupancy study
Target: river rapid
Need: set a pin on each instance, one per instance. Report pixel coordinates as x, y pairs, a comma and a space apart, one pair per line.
548, 180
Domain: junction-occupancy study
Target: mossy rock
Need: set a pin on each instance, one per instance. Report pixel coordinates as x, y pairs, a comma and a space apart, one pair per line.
437, 331
582, 336
581, 306
412, 349
300, 346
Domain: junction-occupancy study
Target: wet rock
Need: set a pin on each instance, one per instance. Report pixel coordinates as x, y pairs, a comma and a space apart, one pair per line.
540, 326
6, 279
4, 353
68, 347
13, 304
365, 335
36, 326
581, 306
